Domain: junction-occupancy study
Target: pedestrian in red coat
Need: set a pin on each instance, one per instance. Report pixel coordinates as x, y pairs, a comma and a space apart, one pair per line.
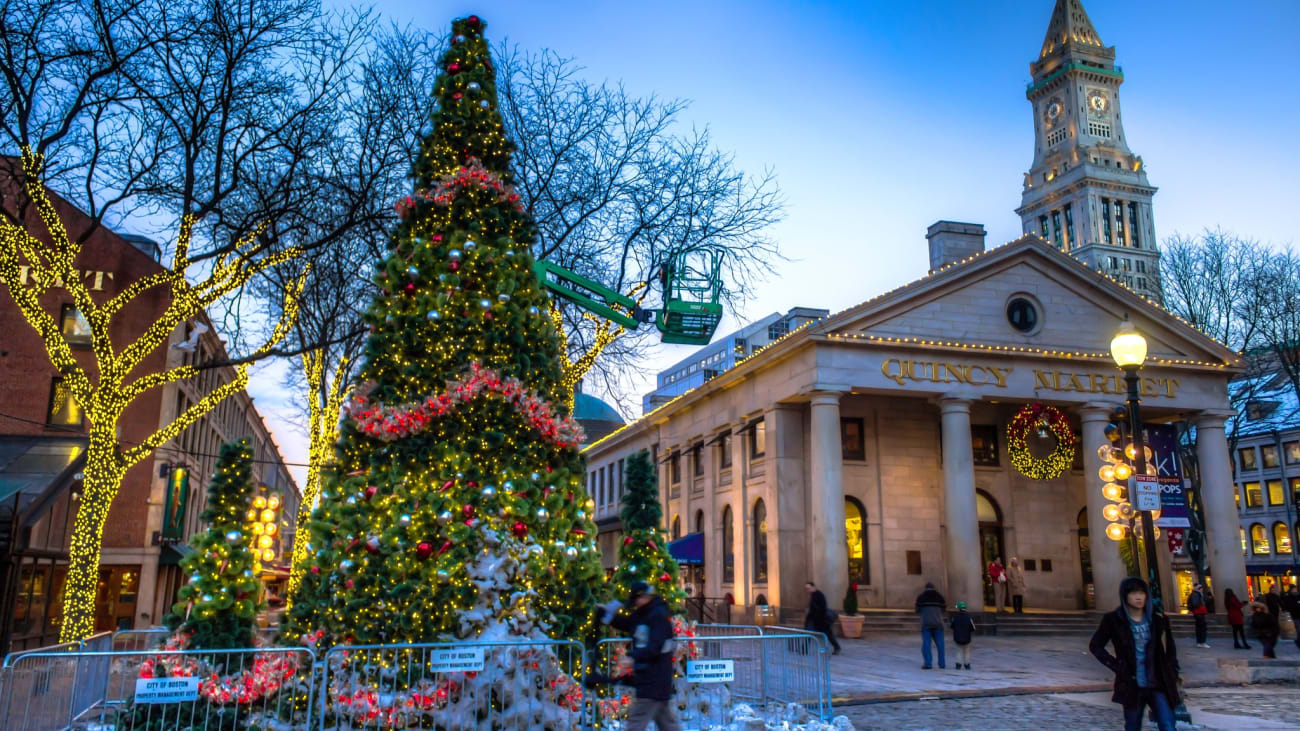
1236, 619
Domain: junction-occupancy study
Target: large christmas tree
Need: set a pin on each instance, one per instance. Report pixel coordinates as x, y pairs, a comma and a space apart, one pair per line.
218, 604
457, 508
643, 555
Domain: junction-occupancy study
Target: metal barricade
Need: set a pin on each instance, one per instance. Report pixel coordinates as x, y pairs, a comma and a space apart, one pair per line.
777, 677
159, 689
454, 686
140, 639
727, 630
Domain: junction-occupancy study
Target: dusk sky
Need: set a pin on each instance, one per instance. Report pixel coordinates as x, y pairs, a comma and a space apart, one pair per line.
880, 118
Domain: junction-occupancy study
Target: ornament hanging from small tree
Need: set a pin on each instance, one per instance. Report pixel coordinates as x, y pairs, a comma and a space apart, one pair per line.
1046, 420
643, 555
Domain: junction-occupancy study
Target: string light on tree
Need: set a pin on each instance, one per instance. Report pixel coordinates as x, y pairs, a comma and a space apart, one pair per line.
30, 267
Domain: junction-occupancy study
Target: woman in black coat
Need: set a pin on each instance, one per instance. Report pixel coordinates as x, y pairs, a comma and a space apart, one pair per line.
1152, 681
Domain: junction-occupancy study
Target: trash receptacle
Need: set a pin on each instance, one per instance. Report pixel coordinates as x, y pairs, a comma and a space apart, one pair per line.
765, 615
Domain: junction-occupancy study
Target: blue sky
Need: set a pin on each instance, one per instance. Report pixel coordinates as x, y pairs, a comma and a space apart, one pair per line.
880, 118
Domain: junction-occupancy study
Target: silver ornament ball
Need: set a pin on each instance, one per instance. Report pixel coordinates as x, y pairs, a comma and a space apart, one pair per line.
485, 303
433, 315
483, 104
444, 517
404, 520
412, 272
234, 536
473, 86
570, 553
543, 514
470, 244
489, 492
503, 297
454, 254
533, 310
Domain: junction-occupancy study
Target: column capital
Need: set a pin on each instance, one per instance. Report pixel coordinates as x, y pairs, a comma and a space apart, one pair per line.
825, 397
949, 404
1212, 418
1096, 411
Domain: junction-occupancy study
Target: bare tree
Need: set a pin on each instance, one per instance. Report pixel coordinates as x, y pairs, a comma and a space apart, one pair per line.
211, 120
615, 184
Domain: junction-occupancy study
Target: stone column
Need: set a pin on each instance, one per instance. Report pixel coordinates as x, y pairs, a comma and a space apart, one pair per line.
1222, 526
787, 510
738, 500
1107, 566
829, 552
963, 547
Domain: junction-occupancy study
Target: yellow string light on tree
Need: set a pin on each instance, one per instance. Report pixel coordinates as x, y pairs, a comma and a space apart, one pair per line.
108, 389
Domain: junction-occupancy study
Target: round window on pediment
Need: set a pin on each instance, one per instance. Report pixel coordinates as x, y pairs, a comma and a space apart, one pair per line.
1024, 314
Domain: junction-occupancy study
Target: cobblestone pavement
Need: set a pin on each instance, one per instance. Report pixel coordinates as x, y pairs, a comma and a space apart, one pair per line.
1256, 707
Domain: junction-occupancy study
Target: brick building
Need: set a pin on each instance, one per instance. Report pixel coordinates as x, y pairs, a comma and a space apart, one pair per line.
42, 449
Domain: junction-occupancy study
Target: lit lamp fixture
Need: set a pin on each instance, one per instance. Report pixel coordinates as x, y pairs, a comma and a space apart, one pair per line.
1129, 350
265, 518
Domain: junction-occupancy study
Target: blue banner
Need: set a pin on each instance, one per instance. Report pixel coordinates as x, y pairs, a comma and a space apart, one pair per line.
1163, 440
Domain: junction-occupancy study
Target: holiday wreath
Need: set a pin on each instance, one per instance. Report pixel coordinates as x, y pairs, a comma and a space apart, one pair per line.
1049, 418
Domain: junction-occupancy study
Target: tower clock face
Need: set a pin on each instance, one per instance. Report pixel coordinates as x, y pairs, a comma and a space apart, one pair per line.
1097, 102
1052, 112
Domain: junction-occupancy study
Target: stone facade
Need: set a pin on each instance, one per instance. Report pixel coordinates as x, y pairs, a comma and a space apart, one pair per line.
929, 376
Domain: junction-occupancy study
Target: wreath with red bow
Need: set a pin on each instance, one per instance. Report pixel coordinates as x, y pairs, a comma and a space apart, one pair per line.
1040, 416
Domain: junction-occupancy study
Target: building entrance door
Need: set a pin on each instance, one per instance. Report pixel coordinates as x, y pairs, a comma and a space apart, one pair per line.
115, 602
990, 518
1085, 562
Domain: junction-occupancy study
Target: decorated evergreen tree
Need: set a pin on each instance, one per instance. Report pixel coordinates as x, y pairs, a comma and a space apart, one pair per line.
643, 555
457, 508
217, 606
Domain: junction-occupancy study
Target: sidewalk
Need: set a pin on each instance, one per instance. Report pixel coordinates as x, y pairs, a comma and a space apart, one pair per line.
880, 668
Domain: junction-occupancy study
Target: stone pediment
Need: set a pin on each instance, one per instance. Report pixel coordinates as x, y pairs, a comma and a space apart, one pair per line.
1079, 310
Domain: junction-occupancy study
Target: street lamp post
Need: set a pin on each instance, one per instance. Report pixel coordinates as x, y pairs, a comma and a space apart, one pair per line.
1129, 349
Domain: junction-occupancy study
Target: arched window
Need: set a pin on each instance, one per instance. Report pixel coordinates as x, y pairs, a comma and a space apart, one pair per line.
1259, 540
760, 542
855, 534
728, 547
1281, 538
677, 527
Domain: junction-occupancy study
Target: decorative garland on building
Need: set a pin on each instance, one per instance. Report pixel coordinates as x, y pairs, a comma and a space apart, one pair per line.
389, 423
1029, 418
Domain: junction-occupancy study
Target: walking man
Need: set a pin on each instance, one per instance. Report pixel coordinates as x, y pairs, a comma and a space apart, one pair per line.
1144, 660
930, 605
650, 657
819, 618
1196, 603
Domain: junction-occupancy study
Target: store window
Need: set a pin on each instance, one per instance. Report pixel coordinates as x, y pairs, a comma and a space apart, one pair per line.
1276, 496
63, 409
1254, 495
1247, 457
697, 460
74, 327
855, 534
984, 444
1292, 450
1258, 540
760, 542
1281, 538
728, 547
852, 441
1269, 456
675, 467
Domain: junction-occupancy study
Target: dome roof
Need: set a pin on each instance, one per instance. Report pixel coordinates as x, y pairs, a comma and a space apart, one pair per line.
589, 408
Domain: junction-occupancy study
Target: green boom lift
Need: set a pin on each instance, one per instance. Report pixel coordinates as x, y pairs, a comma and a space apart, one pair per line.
692, 290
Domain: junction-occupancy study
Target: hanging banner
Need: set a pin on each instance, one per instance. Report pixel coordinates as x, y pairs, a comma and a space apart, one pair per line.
178, 494
1163, 440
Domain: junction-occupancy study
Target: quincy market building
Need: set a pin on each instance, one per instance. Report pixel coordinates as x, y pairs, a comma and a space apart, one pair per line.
871, 446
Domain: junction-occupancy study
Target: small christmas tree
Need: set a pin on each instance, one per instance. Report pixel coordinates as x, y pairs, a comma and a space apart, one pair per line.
218, 605
643, 555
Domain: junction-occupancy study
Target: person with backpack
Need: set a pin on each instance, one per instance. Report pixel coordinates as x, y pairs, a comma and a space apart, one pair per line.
930, 605
820, 618
1145, 662
1236, 620
1265, 627
1196, 604
963, 629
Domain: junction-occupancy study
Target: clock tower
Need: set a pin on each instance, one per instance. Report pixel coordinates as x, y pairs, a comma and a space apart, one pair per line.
1087, 193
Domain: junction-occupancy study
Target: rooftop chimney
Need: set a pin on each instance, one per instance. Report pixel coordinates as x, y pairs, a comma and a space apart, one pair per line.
952, 241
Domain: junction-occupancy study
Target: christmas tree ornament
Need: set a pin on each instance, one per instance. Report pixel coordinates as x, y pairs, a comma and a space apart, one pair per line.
443, 576
444, 517
404, 520
488, 492
424, 549
372, 544
434, 315
454, 254
470, 244
570, 553
503, 298
519, 529
485, 303
473, 86
532, 310
467, 510
542, 515
234, 537
346, 565
484, 104
457, 39
413, 272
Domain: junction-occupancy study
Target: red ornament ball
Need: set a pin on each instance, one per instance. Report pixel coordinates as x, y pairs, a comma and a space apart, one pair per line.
467, 511
664, 577
315, 569
370, 491
627, 541
519, 529
348, 583
424, 549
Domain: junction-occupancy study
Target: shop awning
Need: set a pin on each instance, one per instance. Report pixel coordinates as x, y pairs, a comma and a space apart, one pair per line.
688, 549
172, 553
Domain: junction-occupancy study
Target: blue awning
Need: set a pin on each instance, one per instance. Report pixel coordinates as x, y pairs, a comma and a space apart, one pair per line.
688, 549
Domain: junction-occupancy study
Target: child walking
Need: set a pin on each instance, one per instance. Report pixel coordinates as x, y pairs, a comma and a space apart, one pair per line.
963, 627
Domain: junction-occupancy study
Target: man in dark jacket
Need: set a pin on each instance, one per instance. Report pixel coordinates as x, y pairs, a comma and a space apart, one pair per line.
1145, 662
818, 618
1291, 603
930, 605
1196, 604
651, 657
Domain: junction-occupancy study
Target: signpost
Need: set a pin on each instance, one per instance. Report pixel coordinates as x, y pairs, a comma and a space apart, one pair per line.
166, 690
710, 671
